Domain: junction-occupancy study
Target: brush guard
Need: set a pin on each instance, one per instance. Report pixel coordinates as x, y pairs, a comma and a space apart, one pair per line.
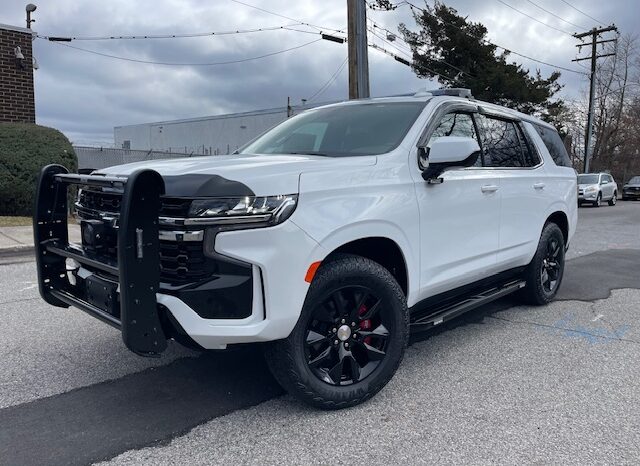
137, 269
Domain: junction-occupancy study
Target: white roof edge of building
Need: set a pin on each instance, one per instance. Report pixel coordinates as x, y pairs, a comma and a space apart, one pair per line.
9, 27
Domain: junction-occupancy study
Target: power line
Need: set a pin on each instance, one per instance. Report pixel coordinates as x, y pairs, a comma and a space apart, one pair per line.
409, 51
319, 28
230, 62
330, 81
288, 27
408, 63
399, 49
534, 18
580, 11
555, 15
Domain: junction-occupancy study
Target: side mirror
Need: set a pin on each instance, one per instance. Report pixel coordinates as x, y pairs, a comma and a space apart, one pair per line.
604, 182
448, 152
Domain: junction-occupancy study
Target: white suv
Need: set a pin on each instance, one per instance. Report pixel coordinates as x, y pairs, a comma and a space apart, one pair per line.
330, 237
597, 187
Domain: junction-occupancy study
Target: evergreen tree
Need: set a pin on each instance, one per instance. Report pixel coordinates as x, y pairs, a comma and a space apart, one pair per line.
456, 52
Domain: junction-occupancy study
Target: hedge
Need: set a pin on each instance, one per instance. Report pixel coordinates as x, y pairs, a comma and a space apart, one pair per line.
24, 149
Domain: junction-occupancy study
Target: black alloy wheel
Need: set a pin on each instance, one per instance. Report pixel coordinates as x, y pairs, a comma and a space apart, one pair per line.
551, 266
346, 339
350, 337
544, 273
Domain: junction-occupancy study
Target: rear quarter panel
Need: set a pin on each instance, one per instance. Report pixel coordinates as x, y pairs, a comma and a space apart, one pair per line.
561, 186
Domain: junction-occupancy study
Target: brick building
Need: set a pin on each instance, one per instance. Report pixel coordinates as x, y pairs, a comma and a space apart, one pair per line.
17, 102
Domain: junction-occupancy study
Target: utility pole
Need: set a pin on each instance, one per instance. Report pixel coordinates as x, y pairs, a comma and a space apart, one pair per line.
358, 49
595, 34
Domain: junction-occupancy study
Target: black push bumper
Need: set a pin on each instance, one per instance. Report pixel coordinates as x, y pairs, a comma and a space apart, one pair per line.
137, 270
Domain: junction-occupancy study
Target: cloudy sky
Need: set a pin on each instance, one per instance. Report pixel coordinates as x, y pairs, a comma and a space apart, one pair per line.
85, 95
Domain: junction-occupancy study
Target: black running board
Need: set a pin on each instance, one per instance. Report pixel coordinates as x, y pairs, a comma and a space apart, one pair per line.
439, 315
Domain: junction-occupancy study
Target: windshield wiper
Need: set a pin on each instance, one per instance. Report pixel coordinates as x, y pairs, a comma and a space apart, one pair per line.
309, 153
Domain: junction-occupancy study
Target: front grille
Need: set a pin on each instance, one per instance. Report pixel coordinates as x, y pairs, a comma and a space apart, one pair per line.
100, 201
184, 261
109, 202
180, 261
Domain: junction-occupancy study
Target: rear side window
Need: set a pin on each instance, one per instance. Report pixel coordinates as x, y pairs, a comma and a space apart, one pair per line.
554, 145
531, 155
501, 143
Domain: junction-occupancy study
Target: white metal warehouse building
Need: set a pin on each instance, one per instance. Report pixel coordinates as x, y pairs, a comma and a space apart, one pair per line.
211, 135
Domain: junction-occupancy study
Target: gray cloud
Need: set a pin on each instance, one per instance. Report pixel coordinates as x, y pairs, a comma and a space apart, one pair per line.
85, 95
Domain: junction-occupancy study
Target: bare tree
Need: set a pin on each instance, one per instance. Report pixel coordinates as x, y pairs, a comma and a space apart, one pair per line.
617, 87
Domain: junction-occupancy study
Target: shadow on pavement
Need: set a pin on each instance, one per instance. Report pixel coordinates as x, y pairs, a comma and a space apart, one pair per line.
100, 421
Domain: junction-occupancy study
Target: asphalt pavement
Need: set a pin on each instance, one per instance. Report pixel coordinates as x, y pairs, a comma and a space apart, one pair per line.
505, 384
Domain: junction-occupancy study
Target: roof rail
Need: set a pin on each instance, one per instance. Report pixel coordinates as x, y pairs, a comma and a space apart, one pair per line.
454, 92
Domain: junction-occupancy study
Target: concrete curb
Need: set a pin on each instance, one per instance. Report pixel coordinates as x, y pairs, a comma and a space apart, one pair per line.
17, 251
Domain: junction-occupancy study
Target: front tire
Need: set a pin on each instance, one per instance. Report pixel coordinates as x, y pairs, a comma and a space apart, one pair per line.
598, 201
349, 339
544, 274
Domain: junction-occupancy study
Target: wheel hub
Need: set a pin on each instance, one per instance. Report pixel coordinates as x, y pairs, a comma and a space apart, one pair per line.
344, 332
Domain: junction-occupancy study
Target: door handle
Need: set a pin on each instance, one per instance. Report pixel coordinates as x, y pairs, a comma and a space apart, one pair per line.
538, 186
489, 188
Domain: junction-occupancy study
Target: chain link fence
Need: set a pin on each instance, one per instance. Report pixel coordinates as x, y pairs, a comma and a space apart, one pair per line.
94, 158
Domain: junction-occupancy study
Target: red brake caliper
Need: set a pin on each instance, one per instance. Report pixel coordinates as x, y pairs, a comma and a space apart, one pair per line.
365, 324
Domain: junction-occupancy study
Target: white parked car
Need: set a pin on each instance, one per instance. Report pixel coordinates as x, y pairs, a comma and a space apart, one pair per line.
595, 188
329, 237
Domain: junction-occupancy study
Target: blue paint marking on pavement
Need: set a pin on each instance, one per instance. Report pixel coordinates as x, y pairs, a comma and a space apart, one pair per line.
594, 334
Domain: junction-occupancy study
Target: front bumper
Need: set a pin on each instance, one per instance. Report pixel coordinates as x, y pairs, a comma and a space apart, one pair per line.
590, 196
631, 193
231, 305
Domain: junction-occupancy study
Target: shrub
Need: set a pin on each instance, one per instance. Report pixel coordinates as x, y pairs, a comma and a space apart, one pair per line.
24, 150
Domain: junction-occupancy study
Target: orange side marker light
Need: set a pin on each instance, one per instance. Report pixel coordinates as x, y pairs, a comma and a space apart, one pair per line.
313, 268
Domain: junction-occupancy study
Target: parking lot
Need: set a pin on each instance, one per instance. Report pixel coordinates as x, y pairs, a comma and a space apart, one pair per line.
506, 384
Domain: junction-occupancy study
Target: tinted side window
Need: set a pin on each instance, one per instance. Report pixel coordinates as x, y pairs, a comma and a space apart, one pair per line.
531, 155
500, 143
554, 145
456, 124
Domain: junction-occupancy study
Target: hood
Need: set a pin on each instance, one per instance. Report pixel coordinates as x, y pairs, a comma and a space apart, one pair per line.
588, 185
238, 175
632, 185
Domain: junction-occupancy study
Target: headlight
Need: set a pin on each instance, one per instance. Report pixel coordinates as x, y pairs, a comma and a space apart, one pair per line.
270, 210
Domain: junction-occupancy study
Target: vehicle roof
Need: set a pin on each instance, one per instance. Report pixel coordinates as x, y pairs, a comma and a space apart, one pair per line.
425, 96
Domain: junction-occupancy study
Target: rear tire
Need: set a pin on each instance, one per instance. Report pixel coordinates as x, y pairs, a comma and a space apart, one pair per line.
350, 337
544, 274
614, 199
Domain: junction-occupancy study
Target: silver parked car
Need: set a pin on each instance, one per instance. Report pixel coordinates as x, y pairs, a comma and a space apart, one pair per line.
631, 190
594, 188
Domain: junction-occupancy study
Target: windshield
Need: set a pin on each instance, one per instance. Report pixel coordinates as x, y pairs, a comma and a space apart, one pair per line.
635, 180
345, 130
588, 179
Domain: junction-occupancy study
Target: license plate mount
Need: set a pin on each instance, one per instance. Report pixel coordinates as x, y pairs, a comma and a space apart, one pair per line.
103, 294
